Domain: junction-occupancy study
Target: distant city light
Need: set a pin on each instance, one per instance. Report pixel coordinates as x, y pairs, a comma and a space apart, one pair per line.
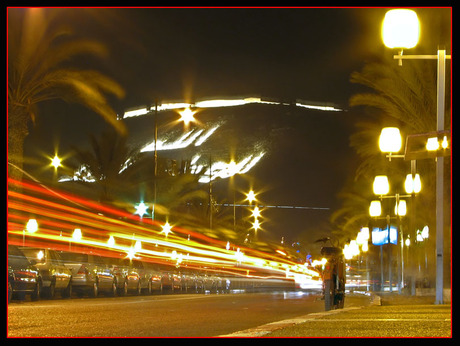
141, 209
187, 115
167, 228
250, 196
56, 161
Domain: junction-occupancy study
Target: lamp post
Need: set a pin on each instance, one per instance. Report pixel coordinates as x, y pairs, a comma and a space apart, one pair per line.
401, 29
381, 187
390, 142
186, 117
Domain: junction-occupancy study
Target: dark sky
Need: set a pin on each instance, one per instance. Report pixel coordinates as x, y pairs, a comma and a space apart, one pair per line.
294, 53
285, 53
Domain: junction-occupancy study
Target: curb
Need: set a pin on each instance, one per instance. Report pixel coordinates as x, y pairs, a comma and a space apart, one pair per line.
270, 327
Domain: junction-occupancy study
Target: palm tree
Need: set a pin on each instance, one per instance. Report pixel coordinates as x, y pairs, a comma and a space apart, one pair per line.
407, 95
41, 52
403, 97
113, 165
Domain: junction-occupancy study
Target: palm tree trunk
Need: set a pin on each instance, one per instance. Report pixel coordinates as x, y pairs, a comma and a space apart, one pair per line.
17, 132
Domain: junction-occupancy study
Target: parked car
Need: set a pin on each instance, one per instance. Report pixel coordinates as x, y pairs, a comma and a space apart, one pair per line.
54, 274
146, 274
134, 276
170, 280
212, 283
89, 273
152, 273
190, 282
23, 278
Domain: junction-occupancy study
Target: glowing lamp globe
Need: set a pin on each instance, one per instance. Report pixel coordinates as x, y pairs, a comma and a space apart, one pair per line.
375, 209
381, 185
400, 29
390, 140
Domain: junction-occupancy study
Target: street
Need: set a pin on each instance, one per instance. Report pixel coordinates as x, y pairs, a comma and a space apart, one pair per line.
191, 315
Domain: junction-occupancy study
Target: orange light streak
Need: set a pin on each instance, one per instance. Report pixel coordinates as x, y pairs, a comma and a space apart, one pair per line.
57, 221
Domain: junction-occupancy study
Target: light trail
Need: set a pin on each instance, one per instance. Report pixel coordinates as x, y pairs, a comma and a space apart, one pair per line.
57, 218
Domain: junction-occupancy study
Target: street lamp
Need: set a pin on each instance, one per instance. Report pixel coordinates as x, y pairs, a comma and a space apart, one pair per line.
381, 185
76, 234
400, 29
251, 196
187, 115
56, 162
390, 141
400, 24
375, 209
32, 226
413, 184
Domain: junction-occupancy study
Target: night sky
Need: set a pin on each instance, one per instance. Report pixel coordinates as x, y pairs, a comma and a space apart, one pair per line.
189, 54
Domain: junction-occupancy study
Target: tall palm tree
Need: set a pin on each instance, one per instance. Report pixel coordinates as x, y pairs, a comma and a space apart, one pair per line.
41, 52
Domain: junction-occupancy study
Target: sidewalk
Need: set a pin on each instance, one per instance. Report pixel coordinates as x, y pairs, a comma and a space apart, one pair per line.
389, 315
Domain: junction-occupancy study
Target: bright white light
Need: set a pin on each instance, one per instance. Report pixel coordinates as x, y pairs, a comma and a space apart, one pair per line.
168, 106
166, 229
407, 242
375, 209
56, 161
445, 143
251, 196
381, 185
141, 209
390, 140
256, 212
417, 183
321, 108
187, 115
184, 141
400, 29
76, 234
239, 255
205, 137
32, 226
401, 208
432, 144
221, 103
131, 253
135, 112
252, 163
425, 232
111, 241
413, 185
224, 170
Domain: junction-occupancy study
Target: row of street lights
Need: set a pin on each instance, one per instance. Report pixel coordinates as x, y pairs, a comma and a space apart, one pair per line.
401, 30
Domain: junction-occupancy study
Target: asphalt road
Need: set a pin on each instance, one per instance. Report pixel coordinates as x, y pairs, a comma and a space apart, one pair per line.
184, 315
